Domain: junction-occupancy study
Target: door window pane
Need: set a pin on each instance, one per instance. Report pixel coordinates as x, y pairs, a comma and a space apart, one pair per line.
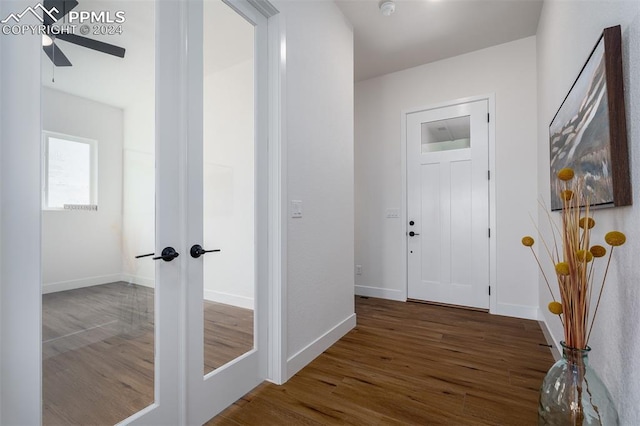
445, 135
98, 316
229, 185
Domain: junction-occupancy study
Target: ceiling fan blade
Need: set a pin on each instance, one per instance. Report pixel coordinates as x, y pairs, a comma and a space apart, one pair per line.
57, 57
92, 44
63, 7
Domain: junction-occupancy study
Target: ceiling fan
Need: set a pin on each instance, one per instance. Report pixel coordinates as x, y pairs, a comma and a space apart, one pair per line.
62, 8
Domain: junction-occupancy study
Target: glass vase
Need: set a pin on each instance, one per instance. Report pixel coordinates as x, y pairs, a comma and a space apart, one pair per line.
572, 394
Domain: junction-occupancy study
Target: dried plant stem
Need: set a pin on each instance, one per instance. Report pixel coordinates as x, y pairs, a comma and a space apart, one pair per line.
543, 274
604, 279
574, 286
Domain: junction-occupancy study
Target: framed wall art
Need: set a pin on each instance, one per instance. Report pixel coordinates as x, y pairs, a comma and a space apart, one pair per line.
589, 132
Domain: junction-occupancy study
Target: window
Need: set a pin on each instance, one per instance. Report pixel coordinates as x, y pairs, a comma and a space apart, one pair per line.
445, 135
70, 172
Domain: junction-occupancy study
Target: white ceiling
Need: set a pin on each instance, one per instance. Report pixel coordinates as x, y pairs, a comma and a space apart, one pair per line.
419, 32
423, 31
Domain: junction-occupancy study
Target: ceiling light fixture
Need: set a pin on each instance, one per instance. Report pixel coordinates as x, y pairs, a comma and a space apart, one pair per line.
46, 40
387, 8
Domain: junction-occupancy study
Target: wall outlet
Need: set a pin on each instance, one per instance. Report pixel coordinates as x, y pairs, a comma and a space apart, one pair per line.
358, 269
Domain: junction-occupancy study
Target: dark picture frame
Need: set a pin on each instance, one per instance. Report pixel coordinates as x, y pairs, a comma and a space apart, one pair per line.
589, 131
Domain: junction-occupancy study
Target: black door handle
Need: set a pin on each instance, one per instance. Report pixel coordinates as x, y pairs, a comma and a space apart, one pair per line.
168, 254
144, 255
197, 251
413, 234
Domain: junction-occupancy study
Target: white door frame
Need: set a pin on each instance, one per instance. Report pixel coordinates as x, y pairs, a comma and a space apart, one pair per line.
20, 292
20, 226
490, 98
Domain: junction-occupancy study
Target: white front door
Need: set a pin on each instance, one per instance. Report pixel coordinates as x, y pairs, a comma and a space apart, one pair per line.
448, 205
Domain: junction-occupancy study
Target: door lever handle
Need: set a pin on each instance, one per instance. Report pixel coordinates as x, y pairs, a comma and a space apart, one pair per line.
144, 255
168, 254
413, 234
197, 251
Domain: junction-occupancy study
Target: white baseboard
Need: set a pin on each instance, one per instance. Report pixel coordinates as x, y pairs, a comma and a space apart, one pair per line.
298, 361
380, 293
548, 336
229, 299
138, 280
516, 311
79, 283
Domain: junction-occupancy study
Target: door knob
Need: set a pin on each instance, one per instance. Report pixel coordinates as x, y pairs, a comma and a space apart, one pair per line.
197, 251
168, 254
413, 234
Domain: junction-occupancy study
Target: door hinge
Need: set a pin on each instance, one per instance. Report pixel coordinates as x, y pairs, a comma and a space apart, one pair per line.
489, 232
488, 118
489, 290
488, 174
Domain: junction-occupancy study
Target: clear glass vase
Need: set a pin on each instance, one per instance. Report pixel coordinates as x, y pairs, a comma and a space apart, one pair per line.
572, 394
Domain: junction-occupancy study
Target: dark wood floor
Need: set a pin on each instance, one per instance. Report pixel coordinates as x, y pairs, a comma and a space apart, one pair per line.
98, 351
411, 364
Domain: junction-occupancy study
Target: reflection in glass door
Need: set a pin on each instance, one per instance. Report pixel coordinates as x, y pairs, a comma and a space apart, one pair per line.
98, 316
228, 182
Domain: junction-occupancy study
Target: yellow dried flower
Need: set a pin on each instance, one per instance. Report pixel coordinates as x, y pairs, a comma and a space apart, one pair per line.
598, 251
527, 241
565, 174
566, 195
615, 238
562, 268
590, 222
555, 308
584, 256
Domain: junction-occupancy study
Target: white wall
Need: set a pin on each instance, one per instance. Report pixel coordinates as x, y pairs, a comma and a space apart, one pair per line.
319, 157
567, 32
81, 248
508, 71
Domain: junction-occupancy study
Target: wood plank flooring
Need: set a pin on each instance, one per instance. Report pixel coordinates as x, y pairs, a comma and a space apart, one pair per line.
98, 351
411, 364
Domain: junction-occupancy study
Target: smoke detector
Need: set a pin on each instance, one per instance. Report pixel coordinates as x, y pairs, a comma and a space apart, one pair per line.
387, 8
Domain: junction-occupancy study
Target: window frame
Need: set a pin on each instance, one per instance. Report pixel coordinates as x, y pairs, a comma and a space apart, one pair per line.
93, 167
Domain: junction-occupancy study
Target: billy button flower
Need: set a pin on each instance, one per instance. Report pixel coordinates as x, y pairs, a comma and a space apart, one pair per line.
562, 268
598, 251
615, 238
555, 307
566, 195
527, 241
584, 256
565, 174
590, 223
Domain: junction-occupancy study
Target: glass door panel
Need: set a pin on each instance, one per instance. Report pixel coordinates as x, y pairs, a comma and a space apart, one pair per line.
98, 218
228, 185
227, 205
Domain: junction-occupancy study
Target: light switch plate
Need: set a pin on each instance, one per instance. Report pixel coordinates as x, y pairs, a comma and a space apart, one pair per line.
296, 209
393, 213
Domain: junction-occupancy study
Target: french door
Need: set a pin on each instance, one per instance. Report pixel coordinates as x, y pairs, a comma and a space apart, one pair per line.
153, 304
448, 205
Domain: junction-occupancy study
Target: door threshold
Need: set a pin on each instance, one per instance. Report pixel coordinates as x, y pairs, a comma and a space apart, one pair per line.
447, 305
